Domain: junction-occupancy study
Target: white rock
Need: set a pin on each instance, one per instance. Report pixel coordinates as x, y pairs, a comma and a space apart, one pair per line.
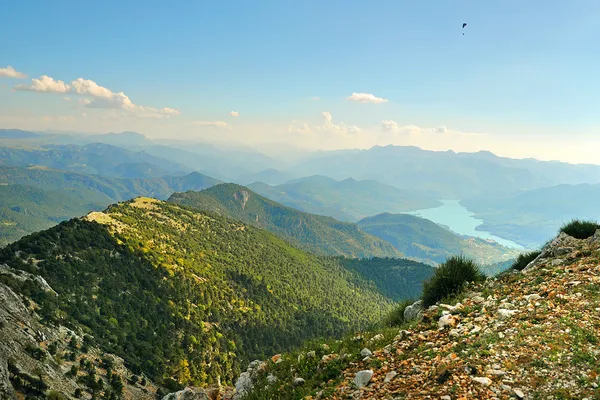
298, 382
533, 297
366, 352
414, 311
390, 375
377, 338
447, 320
189, 393
483, 380
363, 378
518, 393
478, 299
243, 385
446, 397
505, 314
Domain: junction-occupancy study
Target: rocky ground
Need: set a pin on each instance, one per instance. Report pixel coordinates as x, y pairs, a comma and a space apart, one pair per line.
530, 334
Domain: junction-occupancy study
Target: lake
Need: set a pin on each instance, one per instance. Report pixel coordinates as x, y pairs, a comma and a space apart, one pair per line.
460, 220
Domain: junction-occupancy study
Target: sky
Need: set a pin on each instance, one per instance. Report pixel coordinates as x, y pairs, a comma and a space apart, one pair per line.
522, 81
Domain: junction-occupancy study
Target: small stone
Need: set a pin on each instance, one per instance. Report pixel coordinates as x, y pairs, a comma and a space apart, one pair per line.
496, 372
298, 382
363, 378
455, 333
533, 297
445, 397
518, 393
389, 376
501, 335
505, 314
377, 338
483, 380
366, 352
478, 299
271, 379
447, 320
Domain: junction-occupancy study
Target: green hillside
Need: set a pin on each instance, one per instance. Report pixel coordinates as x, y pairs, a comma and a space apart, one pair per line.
36, 198
423, 239
319, 234
183, 294
346, 200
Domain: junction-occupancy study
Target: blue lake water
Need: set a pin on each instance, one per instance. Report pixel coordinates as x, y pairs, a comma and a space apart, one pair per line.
460, 220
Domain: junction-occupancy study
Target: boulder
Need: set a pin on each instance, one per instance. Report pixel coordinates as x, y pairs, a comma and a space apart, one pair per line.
363, 378
243, 385
414, 311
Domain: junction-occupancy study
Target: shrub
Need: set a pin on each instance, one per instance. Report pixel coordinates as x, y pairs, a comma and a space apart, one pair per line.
580, 229
54, 395
449, 278
524, 259
396, 317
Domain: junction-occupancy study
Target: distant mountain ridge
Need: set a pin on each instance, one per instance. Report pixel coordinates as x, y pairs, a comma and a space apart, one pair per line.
37, 198
320, 234
347, 200
445, 174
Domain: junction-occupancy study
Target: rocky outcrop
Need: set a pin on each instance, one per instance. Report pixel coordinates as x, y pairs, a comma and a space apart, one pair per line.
189, 393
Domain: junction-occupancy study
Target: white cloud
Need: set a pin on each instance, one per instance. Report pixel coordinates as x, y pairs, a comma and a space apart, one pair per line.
211, 124
366, 98
301, 128
316, 98
10, 72
45, 84
389, 125
340, 129
234, 114
96, 96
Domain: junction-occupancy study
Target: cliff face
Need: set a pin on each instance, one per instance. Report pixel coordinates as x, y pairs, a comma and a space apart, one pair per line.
532, 334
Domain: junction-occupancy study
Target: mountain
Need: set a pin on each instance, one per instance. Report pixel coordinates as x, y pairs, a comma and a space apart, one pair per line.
269, 176
532, 217
445, 174
529, 334
423, 239
96, 158
348, 200
185, 297
17, 134
37, 198
319, 234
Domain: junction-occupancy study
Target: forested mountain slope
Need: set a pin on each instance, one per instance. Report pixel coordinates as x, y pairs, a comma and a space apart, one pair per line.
187, 295
323, 235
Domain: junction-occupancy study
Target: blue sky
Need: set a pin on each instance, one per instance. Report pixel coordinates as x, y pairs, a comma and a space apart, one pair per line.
525, 72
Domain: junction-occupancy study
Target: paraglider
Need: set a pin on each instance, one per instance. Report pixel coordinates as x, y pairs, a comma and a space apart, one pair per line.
464, 24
